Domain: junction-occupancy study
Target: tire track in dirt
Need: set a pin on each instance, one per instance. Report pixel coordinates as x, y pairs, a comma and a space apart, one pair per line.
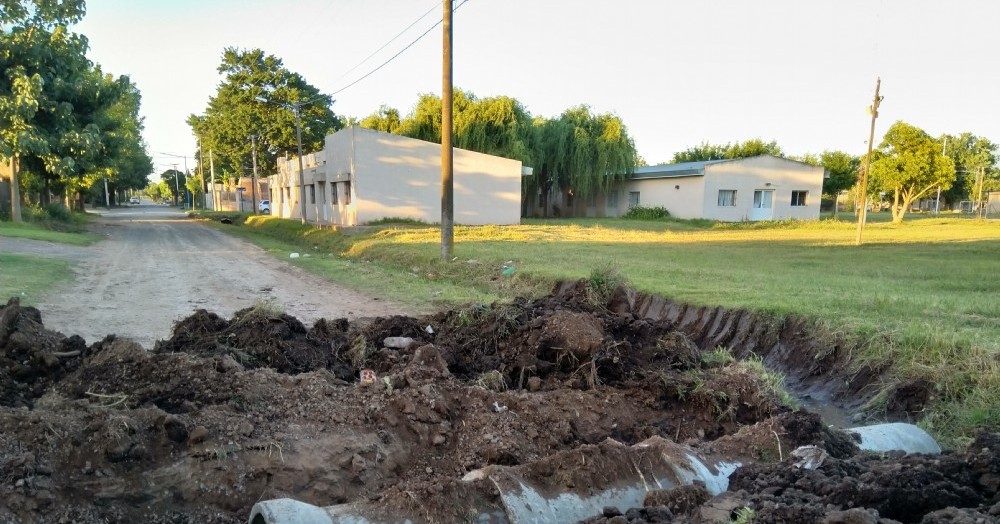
156, 266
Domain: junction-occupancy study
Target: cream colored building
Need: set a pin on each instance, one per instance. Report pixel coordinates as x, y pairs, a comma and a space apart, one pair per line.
747, 189
363, 175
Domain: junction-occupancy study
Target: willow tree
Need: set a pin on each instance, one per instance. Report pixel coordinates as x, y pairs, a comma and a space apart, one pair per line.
729, 151
498, 125
908, 164
580, 152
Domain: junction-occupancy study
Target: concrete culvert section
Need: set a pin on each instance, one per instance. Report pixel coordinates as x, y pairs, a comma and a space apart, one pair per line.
476, 419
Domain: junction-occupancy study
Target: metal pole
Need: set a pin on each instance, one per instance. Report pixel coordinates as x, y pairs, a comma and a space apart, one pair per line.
447, 159
868, 164
186, 190
253, 147
302, 176
937, 203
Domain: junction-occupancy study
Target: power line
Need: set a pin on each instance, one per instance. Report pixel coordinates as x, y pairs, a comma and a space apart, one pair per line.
393, 57
391, 40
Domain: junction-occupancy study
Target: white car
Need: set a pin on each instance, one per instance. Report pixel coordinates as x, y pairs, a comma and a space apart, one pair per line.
264, 207
134, 201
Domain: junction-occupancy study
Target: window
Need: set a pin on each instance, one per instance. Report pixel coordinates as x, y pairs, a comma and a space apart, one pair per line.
612, 200
312, 193
799, 198
347, 193
333, 193
727, 197
633, 199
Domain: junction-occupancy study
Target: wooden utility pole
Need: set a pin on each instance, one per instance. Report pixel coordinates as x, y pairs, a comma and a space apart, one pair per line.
447, 160
868, 164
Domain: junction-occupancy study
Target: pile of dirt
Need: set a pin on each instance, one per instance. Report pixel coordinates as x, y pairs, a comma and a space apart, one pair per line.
226, 413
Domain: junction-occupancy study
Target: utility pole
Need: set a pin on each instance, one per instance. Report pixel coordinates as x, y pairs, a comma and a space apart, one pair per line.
980, 179
177, 186
302, 175
253, 148
447, 159
868, 164
201, 173
215, 189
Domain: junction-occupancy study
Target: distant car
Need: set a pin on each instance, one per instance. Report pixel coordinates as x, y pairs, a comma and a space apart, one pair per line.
265, 207
134, 201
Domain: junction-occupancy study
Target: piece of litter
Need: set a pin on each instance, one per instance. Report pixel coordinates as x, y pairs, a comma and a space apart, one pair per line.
508, 271
498, 408
367, 377
293, 255
810, 457
397, 342
429, 329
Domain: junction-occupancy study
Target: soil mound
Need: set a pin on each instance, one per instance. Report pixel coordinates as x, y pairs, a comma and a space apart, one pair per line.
228, 412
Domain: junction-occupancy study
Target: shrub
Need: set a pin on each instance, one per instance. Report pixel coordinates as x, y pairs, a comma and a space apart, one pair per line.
58, 211
646, 213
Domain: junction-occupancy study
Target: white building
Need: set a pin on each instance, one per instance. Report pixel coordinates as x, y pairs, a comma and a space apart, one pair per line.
363, 175
763, 187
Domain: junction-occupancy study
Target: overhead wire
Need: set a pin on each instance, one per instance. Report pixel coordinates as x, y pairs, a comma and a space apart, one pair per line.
391, 40
401, 51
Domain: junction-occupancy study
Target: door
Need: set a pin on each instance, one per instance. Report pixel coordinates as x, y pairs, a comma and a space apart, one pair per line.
763, 205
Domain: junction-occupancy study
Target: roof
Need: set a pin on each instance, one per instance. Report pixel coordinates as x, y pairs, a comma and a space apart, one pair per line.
686, 169
674, 170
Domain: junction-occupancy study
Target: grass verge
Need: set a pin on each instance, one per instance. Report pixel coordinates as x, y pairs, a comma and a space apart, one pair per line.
47, 231
27, 277
919, 295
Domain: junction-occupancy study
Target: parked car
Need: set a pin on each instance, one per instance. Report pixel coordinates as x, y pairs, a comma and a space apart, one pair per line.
264, 207
134, 201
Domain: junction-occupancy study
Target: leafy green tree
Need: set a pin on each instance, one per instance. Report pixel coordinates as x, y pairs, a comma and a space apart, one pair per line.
749, 148
257, 97
173, 180
970, 153
386, 120
841, 172
908, 164
153, 192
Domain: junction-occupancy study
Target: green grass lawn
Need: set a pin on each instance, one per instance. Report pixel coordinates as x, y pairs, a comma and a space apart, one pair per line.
28, 277
41, 231
923, 295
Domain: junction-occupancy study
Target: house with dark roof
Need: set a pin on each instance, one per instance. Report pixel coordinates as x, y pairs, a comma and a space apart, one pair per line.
763, 187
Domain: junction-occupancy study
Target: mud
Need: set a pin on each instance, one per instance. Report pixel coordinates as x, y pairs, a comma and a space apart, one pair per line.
227, 412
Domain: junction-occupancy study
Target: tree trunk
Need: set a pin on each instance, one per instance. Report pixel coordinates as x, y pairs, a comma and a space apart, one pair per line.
15, 191
836, 204
897, 213
45, 198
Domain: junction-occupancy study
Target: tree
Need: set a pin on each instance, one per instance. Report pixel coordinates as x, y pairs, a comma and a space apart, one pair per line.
970, 153
258, 97
174, 181
580, 151
706, 151
909, 163
386, 119
841, 172
64, 124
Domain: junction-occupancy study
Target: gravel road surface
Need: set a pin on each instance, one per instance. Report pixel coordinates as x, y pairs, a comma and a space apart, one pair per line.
157, 266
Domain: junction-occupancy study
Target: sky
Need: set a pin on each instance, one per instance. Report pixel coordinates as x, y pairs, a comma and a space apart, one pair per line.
678, 73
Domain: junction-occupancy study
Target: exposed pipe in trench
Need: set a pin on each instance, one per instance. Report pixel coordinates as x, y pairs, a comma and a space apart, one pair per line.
656, 463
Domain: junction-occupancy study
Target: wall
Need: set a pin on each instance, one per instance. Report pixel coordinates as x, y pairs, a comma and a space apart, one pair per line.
750, 174
681, 196
364, 175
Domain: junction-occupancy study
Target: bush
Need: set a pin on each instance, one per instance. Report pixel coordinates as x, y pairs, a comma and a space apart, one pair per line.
646, 213
58, 211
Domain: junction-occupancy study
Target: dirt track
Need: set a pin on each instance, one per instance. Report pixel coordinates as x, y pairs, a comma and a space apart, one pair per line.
156, 266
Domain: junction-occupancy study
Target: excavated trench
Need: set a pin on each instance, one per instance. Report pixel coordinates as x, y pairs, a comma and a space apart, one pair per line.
229, 412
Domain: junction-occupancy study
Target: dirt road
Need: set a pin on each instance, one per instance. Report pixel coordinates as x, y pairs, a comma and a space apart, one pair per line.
157, 266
